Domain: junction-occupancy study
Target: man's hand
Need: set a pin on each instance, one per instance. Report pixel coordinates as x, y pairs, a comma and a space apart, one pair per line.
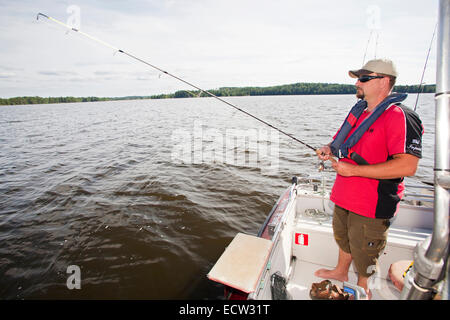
324, 153
345, 169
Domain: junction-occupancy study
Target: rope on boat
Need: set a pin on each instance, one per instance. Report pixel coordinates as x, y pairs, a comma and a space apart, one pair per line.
317, 214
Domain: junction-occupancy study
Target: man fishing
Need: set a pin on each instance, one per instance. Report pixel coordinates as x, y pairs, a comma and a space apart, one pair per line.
379, 143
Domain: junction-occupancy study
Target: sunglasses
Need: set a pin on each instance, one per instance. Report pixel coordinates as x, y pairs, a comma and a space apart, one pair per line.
365, 78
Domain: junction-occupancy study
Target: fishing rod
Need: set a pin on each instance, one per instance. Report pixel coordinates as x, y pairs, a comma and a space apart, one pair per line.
179, 79
425, 68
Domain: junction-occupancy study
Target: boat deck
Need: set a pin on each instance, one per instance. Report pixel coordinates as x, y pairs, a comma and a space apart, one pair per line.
303, 277
321, 251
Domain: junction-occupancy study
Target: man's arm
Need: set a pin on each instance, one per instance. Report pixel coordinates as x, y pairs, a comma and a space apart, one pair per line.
402, 165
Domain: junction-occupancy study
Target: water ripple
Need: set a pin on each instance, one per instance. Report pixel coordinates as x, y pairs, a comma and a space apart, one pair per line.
96, 185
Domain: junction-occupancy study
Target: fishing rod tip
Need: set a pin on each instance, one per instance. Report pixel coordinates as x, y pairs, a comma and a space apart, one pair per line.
41, 14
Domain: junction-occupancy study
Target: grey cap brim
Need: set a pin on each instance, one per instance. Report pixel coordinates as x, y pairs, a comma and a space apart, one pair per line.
358, 73
381, 66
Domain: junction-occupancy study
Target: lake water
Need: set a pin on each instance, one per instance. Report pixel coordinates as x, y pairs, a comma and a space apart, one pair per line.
143, 196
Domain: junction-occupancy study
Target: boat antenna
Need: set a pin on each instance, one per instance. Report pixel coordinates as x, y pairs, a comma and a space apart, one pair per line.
175, 77
424, 68
376, 45
377, 35
367, 46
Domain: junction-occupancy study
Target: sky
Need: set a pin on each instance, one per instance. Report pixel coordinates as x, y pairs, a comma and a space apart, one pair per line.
210, 43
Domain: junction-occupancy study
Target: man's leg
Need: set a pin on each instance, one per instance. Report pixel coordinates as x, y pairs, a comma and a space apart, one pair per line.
368, 240
363, 283
340, 232
340, 272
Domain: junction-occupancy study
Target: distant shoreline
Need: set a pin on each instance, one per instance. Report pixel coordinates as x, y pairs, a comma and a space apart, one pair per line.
288, 89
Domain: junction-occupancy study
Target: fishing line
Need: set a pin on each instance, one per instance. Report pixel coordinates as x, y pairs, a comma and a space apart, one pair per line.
425, 67
175, 77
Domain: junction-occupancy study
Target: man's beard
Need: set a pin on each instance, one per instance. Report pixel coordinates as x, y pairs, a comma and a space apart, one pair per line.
359, 93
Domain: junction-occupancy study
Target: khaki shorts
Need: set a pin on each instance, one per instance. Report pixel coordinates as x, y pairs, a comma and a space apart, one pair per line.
364, 238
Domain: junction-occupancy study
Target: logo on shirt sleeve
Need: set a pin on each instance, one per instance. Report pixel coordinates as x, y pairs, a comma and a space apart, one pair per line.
415, 146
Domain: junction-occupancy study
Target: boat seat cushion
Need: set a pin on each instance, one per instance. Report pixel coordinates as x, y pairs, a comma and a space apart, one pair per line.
242, 262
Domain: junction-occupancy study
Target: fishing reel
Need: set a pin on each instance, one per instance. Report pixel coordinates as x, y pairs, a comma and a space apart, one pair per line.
321, 166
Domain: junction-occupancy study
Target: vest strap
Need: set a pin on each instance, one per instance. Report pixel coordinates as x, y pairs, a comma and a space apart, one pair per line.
341, 145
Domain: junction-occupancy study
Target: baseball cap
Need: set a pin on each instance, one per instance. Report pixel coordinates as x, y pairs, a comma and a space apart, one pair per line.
384, 66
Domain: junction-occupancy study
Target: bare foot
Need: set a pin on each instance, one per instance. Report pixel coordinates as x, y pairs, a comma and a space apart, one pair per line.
331, 274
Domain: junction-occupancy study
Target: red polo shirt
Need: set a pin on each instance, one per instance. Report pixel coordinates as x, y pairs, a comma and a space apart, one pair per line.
397, 130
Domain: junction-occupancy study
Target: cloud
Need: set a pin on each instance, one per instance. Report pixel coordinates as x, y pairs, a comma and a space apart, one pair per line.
104, 73
6, 75
210, 43
56, 73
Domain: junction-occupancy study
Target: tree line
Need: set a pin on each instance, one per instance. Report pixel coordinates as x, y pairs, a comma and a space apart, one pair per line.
41, 100
288, 89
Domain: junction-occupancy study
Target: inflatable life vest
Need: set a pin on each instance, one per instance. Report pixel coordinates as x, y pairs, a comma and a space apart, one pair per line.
341, 147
